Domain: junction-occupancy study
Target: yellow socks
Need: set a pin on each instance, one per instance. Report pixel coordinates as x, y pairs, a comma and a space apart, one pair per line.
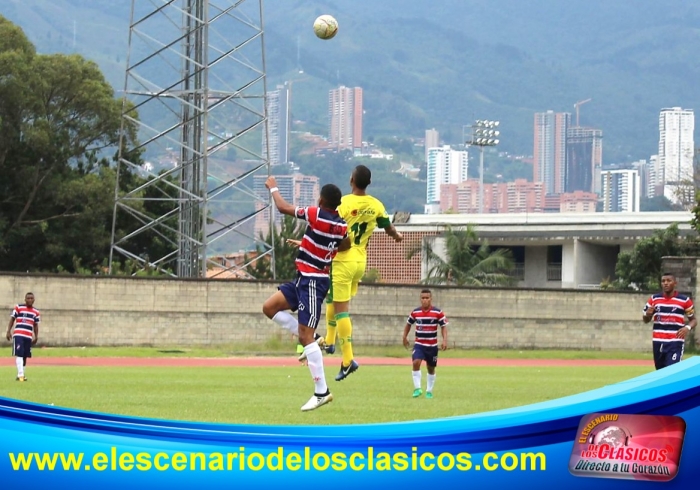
345, 335
330, 324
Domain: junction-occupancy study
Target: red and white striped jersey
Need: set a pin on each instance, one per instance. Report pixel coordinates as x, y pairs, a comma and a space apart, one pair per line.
26, 317
321, 240
427, 323
669, 316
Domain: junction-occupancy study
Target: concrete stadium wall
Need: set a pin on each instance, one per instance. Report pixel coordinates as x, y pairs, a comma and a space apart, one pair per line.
110, 311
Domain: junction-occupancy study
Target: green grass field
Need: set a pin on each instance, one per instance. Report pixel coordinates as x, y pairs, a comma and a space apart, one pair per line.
274, 395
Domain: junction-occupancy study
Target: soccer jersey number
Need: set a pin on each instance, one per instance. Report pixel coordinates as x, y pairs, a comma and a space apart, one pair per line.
358, 229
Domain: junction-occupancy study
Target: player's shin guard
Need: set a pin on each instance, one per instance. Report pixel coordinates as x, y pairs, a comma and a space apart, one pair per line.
345, 335
330, 324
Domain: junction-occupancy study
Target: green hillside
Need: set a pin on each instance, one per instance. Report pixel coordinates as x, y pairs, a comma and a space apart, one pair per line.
443, 64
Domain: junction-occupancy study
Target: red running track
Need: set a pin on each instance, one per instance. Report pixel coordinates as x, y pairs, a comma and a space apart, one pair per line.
262, 361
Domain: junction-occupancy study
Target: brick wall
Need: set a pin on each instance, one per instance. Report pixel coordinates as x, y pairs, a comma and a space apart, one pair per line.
163, 312
389, 257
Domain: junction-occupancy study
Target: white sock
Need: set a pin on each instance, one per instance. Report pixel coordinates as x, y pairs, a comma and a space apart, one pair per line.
315, 361
286, 321
431, 382
416, 380
20, 366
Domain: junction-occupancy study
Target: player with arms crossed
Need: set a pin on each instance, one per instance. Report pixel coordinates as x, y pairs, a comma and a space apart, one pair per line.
668, 309
427, 318
324, 235
363, 213
26, 332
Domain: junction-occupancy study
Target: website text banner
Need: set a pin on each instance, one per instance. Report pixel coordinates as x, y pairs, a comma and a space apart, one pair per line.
551, 443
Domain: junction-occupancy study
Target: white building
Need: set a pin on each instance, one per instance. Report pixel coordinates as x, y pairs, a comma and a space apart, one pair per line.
621, 191
445, 166
655, 180
676, 151
278, 125
345, 115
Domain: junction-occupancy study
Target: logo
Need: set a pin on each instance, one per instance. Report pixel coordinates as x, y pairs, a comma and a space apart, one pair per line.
353, 212
628, 447
301, 307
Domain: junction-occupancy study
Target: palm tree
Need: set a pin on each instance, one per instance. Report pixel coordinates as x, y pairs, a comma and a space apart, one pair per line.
465, 264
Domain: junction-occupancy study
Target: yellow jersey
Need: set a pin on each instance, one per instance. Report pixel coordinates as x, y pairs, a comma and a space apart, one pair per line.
362, 214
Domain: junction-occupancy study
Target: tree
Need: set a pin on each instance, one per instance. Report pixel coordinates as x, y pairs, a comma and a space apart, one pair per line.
640, 269
57, 114
59, 121
285, 254
465, 263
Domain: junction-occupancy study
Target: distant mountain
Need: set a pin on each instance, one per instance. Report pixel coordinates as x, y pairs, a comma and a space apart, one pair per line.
445, 63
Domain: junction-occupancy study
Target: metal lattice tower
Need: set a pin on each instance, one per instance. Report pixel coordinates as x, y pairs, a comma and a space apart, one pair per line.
196, 77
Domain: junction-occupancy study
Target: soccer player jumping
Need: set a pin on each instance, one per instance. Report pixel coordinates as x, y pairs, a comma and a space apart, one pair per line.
363, 213
325, 234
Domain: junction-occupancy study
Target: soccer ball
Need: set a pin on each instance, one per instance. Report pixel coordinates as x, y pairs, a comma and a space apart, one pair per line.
326, 27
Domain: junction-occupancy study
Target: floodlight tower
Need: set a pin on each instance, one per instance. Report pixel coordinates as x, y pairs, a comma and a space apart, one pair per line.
196, 78
483, 134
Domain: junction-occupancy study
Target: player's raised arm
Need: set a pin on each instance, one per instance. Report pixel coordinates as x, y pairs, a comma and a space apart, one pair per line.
283, 206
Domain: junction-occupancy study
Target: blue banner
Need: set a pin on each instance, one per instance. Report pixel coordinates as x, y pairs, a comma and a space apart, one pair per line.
535, 446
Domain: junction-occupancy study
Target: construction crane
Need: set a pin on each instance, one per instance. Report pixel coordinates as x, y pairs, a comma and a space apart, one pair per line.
576, 106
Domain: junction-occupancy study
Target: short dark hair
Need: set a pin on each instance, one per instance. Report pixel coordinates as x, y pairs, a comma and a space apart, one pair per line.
426, 291
668, 274
362, 176
29, 294
331, 195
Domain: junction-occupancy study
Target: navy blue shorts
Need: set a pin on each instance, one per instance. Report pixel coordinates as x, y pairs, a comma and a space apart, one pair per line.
306, 294
667, 353
21, 346
427, 354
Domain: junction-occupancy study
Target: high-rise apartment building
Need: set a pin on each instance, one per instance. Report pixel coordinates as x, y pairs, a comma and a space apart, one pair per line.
297, 189
676, 152
655, 184
642, 167
550, 150
345, 118
432, 140
621, 191
584, 159
278, 125
445, 166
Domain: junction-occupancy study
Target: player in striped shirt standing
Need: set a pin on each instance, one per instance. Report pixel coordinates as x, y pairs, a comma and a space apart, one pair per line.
669, 310
25, 319
325, 234
427, 318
